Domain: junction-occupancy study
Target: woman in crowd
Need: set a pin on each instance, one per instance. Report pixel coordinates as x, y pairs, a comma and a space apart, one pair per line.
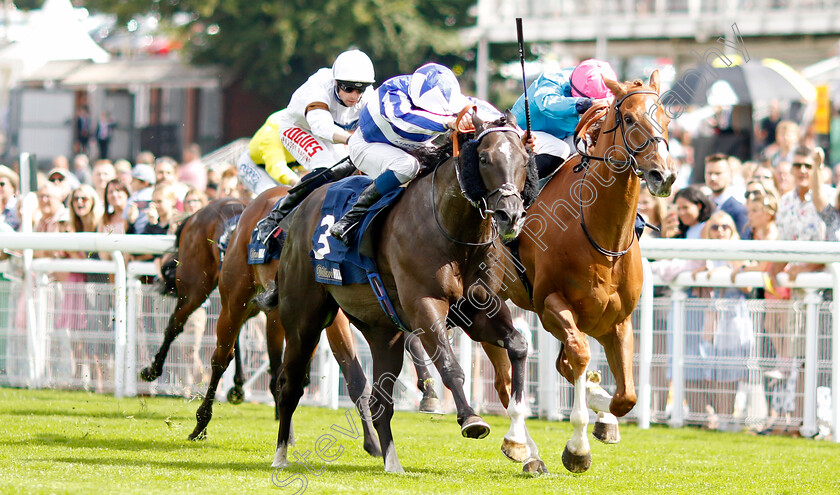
113, 215
85, 216
727, 330
653, 210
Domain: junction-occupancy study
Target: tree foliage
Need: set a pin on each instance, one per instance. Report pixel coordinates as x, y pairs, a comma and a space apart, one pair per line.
273, 46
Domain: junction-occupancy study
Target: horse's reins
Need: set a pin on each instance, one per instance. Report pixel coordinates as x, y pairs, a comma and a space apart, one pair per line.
633, 151
505, 190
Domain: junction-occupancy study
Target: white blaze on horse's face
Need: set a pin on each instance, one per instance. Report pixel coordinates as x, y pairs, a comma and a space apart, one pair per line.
507, 150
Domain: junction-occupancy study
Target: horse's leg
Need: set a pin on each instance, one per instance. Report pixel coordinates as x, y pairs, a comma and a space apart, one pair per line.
194, 297
237, 394
498, 357
497, 327
618, 347
387, 356
429, 318
301, 341
275, 337
227, 330
425, 383
343, 346
557, 319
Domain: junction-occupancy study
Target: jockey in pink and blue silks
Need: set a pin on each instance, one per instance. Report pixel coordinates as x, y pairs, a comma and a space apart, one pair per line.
557, 101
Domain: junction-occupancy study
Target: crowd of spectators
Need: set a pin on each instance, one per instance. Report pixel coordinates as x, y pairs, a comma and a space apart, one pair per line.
787, 193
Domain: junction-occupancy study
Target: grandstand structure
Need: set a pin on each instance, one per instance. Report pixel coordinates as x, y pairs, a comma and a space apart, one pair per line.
799, 32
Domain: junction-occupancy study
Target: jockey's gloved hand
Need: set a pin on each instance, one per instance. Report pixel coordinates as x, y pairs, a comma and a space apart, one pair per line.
583, 105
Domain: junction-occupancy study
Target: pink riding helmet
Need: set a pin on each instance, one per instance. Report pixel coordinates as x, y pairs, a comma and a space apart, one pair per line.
587, 80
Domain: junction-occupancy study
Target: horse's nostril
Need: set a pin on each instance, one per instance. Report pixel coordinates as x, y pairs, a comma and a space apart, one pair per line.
655, 176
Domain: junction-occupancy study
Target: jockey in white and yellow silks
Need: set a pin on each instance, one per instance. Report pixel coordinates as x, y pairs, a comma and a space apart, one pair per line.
313, 132
313, 129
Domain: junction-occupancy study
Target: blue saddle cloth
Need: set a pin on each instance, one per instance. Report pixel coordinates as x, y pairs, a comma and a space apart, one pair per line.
334, 262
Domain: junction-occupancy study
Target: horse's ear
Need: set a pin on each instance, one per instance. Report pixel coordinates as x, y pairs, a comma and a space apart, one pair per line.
477, 123
614, 86
510, 118
654, 80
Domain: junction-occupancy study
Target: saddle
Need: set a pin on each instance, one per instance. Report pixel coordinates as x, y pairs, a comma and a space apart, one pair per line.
337, 264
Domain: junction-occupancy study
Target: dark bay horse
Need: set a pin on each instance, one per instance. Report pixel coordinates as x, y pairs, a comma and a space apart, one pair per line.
430, 251
197, 260
239, 286
581, 257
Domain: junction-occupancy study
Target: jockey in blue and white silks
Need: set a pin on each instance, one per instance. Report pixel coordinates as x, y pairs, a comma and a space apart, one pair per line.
410, 112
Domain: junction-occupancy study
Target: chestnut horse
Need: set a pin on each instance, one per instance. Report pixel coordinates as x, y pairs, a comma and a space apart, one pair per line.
423, 279
582, 260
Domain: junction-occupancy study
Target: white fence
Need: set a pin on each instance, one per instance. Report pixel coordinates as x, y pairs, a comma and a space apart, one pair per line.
98, 335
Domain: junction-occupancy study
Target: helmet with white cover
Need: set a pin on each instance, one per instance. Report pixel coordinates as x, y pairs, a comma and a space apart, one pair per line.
354, 68
435, 88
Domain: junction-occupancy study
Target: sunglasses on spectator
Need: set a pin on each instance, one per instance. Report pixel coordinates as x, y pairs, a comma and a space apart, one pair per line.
720, 227
83, 199
193, 201
807, 166
750, 194
56, 179
4, 183
349, 87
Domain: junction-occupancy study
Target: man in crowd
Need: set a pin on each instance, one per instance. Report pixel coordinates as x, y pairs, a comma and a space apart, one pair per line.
719, 179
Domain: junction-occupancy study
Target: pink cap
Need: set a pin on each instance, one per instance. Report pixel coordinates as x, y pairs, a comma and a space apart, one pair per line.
587, 80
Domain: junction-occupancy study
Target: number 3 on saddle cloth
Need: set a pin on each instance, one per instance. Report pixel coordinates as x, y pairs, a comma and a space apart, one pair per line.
337, 264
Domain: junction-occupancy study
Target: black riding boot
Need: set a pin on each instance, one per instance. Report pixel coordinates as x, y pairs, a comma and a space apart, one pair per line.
343, 228
268, 225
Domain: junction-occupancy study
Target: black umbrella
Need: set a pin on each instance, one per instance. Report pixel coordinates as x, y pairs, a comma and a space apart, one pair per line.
751, 82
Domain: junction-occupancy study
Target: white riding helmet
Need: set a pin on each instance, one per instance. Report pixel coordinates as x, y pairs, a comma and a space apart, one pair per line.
353, 66
435, 88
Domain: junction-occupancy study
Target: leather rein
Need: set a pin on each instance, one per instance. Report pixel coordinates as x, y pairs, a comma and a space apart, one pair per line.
633, 151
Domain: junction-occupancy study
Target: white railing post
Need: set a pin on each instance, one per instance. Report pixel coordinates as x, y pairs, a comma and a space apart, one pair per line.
121, 327
121, 348
645, 347
41, 329
835, 353
809, 418
549, 378
677, 331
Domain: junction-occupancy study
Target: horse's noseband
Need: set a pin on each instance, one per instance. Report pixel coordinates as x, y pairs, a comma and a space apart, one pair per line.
505, 190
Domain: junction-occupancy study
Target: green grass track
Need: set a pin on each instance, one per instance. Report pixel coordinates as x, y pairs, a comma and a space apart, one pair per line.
76, 442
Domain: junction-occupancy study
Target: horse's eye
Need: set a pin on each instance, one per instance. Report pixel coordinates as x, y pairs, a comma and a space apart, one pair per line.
628, 120
482, 159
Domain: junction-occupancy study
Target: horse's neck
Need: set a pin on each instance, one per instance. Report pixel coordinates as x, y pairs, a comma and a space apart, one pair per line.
616, 190
456, 215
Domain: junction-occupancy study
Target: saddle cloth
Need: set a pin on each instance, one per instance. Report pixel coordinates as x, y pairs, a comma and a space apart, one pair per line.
334, 262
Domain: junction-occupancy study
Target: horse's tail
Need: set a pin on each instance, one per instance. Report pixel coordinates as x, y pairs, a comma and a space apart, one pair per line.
169, 267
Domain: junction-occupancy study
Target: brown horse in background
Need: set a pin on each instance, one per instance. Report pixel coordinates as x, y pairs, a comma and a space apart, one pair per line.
582, 260
424, 279
197, 259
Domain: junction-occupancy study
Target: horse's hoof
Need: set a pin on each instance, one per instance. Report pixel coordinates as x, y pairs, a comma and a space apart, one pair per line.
148, 374
576, 463
606, 432
517, 452
475, 427
235, 395
198, 434
373, 450
431, 405
536, 466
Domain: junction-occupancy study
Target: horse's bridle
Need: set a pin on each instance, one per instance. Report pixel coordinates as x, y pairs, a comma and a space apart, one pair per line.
619, 124
505, 190
584, 165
